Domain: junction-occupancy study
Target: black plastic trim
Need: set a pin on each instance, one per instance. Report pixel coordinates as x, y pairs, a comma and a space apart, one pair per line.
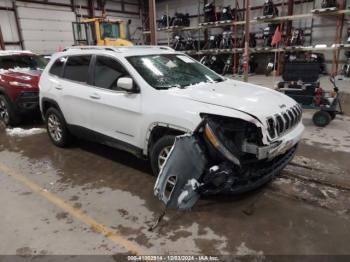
94, 136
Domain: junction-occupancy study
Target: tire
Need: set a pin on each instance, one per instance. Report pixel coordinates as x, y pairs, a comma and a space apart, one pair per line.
268, 71
266, 42
332, 114
164, 142
7, 112
56, 128
321, 118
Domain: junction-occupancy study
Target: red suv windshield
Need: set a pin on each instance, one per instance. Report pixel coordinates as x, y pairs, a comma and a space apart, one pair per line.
22, 61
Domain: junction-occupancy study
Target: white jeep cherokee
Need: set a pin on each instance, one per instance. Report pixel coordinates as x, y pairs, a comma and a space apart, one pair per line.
140, 98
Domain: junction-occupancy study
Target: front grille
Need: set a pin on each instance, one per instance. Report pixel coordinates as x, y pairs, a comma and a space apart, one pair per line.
29, 94
281, 123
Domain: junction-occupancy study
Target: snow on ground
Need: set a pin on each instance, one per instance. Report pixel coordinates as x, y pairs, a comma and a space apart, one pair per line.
243, 250
335, 136
20, 132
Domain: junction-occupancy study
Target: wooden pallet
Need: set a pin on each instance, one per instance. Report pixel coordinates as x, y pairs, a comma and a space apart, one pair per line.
324, 10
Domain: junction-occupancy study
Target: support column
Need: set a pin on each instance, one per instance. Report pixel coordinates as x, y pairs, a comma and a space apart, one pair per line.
19, 30
338, 38
246, 44
2, 41
91, 8
290, 10
152, 21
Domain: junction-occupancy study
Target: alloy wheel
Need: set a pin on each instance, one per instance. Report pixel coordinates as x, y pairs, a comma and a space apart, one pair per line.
55, 127
163, 154
4, 113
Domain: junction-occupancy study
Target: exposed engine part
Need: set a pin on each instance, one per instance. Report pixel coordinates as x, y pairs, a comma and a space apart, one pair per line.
269, 9
190, 44
209, 12
178, 43
268, 33
329, 3
164, 21
214, 62
180, 19
223, 155
297, 37
226, 14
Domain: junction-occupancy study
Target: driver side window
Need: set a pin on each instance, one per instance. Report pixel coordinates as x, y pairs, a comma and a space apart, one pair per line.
107, 72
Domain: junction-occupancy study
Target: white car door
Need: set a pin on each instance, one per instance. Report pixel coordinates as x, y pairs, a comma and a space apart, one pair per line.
76, 98
114, 112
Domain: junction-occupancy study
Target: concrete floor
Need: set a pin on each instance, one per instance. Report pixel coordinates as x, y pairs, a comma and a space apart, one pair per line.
91, 199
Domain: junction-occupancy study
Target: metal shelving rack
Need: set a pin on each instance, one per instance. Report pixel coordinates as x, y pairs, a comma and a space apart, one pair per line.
339, 14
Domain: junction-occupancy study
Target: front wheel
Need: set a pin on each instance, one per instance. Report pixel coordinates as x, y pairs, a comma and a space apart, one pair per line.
321, 118
7, 112
56, 128
160, 151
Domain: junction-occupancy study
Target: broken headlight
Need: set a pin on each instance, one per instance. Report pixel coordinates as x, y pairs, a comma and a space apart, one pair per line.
210, 135
227, 135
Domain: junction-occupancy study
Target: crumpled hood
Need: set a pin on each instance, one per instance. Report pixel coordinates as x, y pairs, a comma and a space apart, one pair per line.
252, 99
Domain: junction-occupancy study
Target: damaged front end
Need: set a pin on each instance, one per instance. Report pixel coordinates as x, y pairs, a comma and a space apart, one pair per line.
223, 155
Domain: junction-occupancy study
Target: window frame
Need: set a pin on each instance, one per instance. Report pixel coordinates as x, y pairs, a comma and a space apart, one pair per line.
62, 69
92, 74
89, 70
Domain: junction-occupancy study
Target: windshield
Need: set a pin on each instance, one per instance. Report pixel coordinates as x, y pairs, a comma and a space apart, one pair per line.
109, 30
22, 61
172, 70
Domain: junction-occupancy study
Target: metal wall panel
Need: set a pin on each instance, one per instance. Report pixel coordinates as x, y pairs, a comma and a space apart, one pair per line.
8, 26
43, 30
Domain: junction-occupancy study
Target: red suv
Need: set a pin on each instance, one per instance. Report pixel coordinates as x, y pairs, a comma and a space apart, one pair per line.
19, 76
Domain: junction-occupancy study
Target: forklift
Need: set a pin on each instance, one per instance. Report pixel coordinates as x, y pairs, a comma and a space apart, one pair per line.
100, 31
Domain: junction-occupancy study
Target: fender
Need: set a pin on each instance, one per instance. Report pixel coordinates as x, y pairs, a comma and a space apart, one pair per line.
51, 101
155, 124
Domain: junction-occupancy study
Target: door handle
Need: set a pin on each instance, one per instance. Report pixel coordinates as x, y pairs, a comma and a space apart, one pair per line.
59, 87
95, 96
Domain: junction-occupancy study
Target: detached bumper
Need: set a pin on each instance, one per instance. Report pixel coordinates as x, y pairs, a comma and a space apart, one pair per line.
278, 147
27, 102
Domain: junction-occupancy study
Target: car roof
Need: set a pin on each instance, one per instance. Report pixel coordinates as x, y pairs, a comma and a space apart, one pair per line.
122, 50
15, 52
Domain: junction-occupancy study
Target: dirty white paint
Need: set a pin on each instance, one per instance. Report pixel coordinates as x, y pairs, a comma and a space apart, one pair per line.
20, 132
335, 136
243, 250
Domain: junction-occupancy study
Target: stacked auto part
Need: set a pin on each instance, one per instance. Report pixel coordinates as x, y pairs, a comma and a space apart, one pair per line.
178, 20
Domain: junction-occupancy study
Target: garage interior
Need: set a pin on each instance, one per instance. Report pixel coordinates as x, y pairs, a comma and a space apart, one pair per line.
91, 199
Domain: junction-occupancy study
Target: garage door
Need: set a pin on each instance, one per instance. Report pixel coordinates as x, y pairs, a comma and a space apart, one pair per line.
45, 31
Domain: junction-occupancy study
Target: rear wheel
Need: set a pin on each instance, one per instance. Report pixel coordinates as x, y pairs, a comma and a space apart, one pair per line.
56, 128
321, 118
7, 112
332, 114
160, 151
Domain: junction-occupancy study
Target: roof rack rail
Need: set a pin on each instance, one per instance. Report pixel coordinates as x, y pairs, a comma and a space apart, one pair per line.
164, 47
90, 47
117, 48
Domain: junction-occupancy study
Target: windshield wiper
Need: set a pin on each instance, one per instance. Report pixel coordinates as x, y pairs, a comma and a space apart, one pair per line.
168, 87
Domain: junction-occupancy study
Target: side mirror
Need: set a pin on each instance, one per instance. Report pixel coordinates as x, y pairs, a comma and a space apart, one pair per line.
126, 83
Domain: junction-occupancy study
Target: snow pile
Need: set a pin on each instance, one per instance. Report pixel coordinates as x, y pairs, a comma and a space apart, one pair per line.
20, 132
335, 136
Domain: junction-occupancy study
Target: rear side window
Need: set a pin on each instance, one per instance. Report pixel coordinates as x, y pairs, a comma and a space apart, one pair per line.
57, 67
77, 68
107, 72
